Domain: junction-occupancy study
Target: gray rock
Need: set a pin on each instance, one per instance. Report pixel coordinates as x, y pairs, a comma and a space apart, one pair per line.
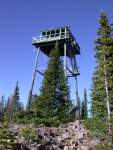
70, 136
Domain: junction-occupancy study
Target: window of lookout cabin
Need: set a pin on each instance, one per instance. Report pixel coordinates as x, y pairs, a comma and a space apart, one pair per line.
52, 33
57, 33
48, 34
62, 32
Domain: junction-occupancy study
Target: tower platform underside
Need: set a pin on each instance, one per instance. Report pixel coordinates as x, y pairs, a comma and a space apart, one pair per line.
47, 46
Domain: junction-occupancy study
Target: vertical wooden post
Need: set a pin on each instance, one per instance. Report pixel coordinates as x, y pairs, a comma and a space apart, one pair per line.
65, 60
77, 98
33, 79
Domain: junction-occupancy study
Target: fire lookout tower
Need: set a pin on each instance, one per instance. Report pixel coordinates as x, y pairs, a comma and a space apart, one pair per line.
68, 47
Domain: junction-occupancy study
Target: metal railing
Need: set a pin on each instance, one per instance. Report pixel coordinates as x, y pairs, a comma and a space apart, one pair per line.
50, 37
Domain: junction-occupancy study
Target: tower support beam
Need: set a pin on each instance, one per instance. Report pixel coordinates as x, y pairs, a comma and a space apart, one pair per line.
33, 79
65, 60
75, 72
77, 98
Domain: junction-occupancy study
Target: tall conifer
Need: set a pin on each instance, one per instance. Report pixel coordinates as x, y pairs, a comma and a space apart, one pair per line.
2, 107
103, 75
54, 96
84, 111
16, 99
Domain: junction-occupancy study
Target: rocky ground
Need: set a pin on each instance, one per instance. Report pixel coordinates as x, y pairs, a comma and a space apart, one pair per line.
70, 136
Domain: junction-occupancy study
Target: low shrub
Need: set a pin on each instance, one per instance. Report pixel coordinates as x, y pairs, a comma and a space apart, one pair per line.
98, 127
53, 121
103, 147
28, 133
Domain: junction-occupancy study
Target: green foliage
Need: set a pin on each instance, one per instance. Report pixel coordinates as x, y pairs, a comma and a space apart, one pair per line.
16, 99
84, 111
54, 96
1, 147
53, 121
13, 107
2, 108
7, 138
103, 147
26, 117
98, 127
103, 69
28, 133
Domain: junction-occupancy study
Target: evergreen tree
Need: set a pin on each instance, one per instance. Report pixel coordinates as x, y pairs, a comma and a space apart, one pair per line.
14, 106
54, 96
9, 114
102, 87
78, 111
84, 111
2, 107
16, 99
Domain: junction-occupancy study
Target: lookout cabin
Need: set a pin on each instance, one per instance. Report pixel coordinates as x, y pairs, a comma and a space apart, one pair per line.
47, 39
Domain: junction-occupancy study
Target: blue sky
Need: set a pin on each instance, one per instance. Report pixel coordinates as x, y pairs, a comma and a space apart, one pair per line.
20, 20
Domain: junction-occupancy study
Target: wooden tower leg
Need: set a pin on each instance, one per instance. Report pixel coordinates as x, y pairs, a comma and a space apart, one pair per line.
76, 72
77, 98
33, 80
65, 60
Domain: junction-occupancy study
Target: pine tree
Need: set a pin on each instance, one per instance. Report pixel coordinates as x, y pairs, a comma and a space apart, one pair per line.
102, 95
13, 107
2, 107
54, 96
16, 99
103, 71
9, 114
84, 111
